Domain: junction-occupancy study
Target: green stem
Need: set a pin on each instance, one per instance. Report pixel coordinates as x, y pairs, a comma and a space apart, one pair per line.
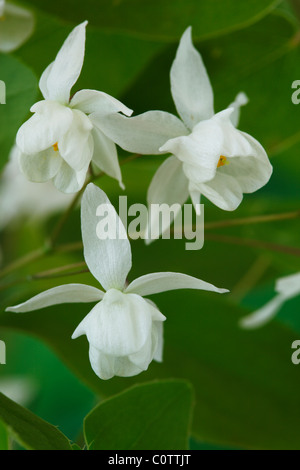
289, 250
28, 258
252, 220
67, 270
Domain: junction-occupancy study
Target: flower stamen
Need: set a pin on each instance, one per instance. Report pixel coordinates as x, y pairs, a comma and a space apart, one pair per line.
222, 161
55, 147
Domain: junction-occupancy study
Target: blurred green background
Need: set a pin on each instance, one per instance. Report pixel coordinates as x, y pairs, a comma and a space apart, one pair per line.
246, 387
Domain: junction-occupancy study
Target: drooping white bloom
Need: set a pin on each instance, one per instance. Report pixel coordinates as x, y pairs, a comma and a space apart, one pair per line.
59, 141
124, 329
20, 198
209, 155
286, 288
16, 25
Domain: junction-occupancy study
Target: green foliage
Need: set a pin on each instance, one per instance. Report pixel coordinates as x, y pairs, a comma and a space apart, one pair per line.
30, 430
245, 384
3, 437
152, 416
162, 19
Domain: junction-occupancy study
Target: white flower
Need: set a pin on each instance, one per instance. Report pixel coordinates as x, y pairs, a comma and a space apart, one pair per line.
20, 198
209, 155
286, 288
124, 330
16, 25
59, 141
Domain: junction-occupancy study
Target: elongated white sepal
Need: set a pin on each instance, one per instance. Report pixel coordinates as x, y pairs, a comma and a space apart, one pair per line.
168, 186
263, 315
286, 287
190, 85
165, 281
241, 99
93, 101
143, 134
69, 293
59, 77
107, 249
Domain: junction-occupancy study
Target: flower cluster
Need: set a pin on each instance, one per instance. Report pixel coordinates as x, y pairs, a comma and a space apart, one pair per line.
209, 156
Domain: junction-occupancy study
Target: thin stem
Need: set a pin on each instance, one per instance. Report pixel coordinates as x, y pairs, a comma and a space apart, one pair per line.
19, 263
54, 273
253, 220
58, 272
69, 247
258, 219
254, 243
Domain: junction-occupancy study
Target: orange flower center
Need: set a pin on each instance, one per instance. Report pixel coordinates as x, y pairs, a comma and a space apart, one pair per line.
222, 161
55, 147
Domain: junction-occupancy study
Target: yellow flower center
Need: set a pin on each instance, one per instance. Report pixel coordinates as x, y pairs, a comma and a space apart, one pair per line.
55, 147
222, 161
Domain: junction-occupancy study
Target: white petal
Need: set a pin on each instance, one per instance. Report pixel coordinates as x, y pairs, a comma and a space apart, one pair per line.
158, 354
288, 286
105, 155
68, 180
190, 85
45, 128
59, 77
109, 260
224, 191
195, 197
106, 366
119, 325
235, 142
161, 282
264, 314
241, 99
16, 26
252, 170
77, 146
40, 167
168, 186
143, 134
144, 356
92, 101
200, 151
69, 293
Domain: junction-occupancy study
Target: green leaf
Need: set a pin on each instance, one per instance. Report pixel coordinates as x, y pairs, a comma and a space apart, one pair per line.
21, 90
3, 437
152, 416
244, 381
162, 19
29, 430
